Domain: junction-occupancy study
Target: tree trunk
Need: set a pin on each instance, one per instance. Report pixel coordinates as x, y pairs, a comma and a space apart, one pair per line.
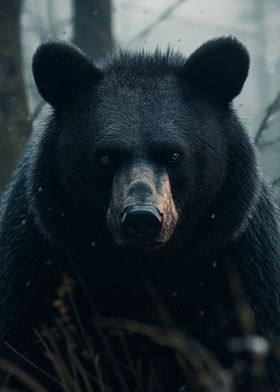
14, 125
93, 27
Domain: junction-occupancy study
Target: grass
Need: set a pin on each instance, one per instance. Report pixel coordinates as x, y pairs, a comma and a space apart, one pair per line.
74, 364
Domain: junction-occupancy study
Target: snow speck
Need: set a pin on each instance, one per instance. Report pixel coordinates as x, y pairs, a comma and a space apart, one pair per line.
40, 189
202, 312
93, 244
214, 264
23, 222
28, 283
213, 216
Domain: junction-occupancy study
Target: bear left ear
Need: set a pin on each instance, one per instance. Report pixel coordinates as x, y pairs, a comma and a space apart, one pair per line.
218, 68
61, 70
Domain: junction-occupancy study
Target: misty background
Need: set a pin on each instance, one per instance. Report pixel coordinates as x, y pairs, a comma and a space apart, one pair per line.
104, 26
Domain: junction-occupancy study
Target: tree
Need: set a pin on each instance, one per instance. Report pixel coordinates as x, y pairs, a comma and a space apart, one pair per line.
92, 27
14, 125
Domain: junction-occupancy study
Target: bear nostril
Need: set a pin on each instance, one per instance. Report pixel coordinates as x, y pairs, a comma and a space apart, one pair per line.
133, 227
141, 222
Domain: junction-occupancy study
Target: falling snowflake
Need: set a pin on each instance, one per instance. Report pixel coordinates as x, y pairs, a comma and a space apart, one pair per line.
28, 283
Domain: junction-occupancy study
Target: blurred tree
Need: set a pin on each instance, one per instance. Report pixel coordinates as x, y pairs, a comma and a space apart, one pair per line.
92, 26
259, 10
14, 124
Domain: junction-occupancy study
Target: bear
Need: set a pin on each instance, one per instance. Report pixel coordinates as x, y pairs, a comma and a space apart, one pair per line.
143, 185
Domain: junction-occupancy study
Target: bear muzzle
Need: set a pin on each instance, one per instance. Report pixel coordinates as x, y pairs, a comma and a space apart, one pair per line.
141, 224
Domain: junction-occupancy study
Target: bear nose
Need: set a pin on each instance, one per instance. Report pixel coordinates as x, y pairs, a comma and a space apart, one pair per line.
141, 222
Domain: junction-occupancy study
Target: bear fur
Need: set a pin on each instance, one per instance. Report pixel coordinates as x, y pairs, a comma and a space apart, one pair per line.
152, 129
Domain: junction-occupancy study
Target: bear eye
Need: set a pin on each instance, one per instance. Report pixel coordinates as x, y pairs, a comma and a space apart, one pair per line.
175, 157
105, 160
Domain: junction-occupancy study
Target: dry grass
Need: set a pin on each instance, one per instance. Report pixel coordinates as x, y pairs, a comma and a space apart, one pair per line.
76, 366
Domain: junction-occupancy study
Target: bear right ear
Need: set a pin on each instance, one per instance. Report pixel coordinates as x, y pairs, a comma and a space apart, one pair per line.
61, 70
218, 68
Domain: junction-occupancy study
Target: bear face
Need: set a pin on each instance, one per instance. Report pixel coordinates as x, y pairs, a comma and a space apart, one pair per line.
158, 152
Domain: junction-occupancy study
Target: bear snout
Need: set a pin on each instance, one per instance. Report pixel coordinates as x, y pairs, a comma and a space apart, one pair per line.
141, 214
141, 223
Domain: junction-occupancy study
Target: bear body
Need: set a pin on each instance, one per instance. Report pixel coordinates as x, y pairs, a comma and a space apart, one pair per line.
143, 184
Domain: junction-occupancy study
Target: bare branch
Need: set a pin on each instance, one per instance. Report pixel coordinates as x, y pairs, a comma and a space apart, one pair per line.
164, 15
271, 109
37, 111
269, 143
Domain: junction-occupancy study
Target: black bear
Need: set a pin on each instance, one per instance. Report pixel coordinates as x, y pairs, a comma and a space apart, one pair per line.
143, 180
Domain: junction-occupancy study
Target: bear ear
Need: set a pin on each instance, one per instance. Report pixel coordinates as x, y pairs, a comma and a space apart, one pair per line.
61, 70
218, 68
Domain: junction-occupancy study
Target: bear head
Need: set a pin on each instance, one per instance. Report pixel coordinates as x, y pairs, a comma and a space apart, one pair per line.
143, 150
